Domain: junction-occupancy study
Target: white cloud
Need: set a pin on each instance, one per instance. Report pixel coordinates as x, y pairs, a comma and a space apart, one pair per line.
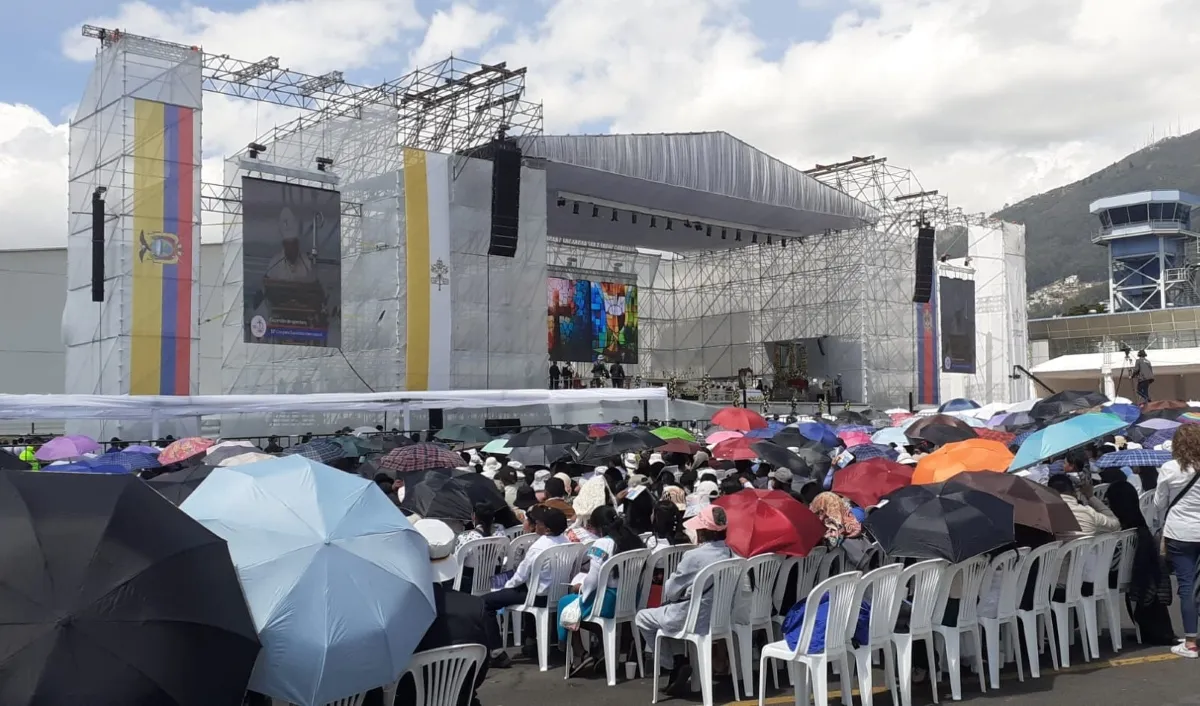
986, 100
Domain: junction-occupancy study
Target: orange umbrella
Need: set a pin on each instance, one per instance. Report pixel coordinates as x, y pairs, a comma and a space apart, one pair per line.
962, 457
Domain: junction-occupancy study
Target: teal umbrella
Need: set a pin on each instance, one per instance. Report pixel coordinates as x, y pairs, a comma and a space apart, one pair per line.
497, 446
465, 434
1065, 435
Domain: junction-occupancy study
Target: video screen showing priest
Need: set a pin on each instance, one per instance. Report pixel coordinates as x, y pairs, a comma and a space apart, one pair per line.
291, 259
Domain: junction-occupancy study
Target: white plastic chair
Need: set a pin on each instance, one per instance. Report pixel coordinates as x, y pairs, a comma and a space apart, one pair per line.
485, 557
762, 571
563, 562
516, 531
721, 581
1002, 628
1073, 556
666, 560
518, 547
969, 576
355, 700
845, 596
1100, 490
1154, 521
880, 589
439, 675
1126, 554
1036, 622
926, 578
873, 558
1104, 548
628, 567
832, 563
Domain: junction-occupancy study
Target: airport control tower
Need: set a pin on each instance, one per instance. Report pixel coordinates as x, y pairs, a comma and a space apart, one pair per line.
1152, 249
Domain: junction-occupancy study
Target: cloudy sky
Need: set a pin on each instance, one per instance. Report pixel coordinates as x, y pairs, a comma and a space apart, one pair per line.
987, 100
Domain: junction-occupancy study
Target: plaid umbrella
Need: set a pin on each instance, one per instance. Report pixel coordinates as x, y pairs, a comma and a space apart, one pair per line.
319, 450
420, 457
128, 461
183, 449
1133, 458
1158, 438
863, 452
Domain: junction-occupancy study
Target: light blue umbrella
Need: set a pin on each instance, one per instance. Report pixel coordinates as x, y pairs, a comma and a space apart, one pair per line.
1064, 436
958, 404
891, 435
337, 580
497, 446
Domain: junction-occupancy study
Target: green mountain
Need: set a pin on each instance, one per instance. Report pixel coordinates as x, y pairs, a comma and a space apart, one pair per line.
1058, 226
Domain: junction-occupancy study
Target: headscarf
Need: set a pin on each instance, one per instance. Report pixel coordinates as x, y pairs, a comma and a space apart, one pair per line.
840, 523
676, 496
592, 495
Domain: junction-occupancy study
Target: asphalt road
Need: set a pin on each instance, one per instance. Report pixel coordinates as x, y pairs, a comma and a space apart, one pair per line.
1138, 676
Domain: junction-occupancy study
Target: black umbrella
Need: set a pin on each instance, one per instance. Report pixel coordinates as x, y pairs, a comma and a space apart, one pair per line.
176, 486
780, 457
111, 596
941, 434
541, 455
622, 442
465, 434
1066, 402
9, 462
791, 436
449, 494
949, 520
847, 416
545, 436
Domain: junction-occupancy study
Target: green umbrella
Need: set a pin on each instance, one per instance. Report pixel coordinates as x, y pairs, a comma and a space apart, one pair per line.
497, 446
673, 433
465, 433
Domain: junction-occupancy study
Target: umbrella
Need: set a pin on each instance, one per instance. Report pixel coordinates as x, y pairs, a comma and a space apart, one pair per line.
1063, 436
913, 430
142, 449
866, 482
622, 442
128, 460
355, 446
1158, 423
854, 438
673, 433
244, 458
855, 428
216, 456
1134, 458
889, 436
679, 446
1015, 421
541, 455
739, 419
1034, 505
465, 433
942, 434
1127, 412
780, 457
89, 467
497, 446
545, 436
718, 436
176, 486
183, 449
960, 457
113, 596
766, 521
419, 457
65, 447
950, 521
338, 581
9, 462
738, 449
772, 428
1158, 438
1189, 418
865, 452
1161, 405
241, 444
319, 450
958, 404
595, 431
851, 417
449, 494
1065, 403
820, 433
1004, 437
364, 431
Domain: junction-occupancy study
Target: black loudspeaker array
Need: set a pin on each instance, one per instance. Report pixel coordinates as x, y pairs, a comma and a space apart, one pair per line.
98, 246
506, 199
923, 289
436, 420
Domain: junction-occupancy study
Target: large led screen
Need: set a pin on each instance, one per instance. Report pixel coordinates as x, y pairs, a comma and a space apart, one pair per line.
957, 303
292, 264
586, 320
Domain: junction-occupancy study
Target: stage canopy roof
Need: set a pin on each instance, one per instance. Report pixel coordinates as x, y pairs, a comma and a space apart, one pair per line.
1174, 361
709, 178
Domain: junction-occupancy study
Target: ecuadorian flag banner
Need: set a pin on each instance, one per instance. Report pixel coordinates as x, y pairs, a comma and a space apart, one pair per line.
164, 168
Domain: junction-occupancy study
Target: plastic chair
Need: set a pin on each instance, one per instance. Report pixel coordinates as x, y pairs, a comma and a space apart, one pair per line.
1002, 579
562, 561
439, 675
516, 531
721, 581
1036, 622
832, 563
1154, 521
517, 548
880, 591
873, 558
628, 567
926, 579
485, 556
763, 571
1104, 551
1073, 556
355, 700
805, 570
845, 597
1126, 553
1100, 490
665, 559
969, 576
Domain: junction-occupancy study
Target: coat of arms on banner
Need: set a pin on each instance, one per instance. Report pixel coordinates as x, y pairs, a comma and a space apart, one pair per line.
162, 248
439, 274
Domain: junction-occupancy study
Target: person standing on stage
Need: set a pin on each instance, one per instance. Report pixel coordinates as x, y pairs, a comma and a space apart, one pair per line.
1143, 376
555, 375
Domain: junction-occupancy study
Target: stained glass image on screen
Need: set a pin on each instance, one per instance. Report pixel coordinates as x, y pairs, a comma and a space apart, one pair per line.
957, 300
292, 264
586, 320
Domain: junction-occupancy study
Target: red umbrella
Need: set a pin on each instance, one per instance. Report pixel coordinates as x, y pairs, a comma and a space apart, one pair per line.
1003, 437
764, 521
735, 449
679, 446
866, 482
739, 419
595, 431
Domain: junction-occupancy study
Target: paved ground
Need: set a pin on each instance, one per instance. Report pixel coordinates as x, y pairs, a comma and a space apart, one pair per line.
1138, 676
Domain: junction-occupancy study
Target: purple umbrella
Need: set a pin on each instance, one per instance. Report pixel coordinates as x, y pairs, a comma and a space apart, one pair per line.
65, 447
108, 469
140, 449
1158, 424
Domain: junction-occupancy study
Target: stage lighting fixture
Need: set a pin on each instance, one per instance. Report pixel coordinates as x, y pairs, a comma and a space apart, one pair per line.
768, 238
633, 218
575, 208
722, 234
699, 227
738, 236
687, 224
783, 242
967, 262
595, 211
255, 149
754, 238
614, 215
709, 232
653, 222
323, 163
561, 202
669, 224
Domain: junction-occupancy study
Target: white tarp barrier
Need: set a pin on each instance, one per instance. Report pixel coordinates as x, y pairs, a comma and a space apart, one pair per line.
166, 407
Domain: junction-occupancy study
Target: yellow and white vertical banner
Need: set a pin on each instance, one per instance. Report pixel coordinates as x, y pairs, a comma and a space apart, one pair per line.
427, 269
